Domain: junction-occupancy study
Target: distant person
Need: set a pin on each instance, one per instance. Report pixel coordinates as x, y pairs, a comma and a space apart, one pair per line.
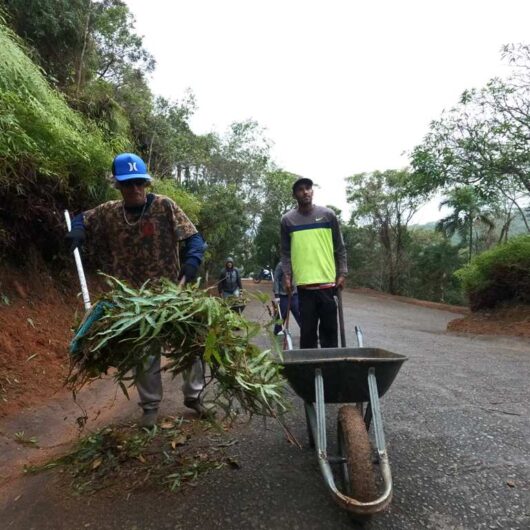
229, 280
281, 294
314, 257
137, 239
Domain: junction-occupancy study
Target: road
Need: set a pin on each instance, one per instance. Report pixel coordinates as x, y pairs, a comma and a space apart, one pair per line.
457, 429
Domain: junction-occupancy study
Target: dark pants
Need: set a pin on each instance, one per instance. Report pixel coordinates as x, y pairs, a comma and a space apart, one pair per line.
318, 310
295, 310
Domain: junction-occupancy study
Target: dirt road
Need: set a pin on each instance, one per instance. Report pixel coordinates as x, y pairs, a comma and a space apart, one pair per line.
457, 428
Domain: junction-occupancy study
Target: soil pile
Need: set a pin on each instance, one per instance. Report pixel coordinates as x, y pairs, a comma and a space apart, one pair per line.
507, 320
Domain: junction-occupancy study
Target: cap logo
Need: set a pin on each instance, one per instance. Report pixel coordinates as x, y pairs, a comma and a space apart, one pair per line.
132, 166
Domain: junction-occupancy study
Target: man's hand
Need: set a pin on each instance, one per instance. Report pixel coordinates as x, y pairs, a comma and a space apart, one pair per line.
287, 282
341, 280
76, 236
187, 273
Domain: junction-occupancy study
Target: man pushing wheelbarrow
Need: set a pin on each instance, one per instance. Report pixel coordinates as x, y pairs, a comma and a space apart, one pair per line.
313, 254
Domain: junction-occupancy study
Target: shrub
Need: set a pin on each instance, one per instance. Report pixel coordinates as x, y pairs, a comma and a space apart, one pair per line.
190, 204
501, 274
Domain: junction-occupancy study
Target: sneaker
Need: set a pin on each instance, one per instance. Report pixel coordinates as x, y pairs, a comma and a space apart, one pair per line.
196, 405
149, 417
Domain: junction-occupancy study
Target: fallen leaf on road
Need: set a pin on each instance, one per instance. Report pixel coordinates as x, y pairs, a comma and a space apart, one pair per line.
510, 483
233, 463
179, 440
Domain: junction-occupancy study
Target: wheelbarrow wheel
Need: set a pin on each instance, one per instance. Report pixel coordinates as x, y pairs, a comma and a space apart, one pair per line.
357, 473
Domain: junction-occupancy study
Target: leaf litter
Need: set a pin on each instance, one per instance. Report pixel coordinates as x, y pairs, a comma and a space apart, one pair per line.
126, 458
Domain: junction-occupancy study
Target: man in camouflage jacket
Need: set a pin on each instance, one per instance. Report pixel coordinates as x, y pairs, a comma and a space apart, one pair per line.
138, 239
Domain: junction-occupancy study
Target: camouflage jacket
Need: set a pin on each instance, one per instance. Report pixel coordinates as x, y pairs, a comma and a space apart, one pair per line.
138, 247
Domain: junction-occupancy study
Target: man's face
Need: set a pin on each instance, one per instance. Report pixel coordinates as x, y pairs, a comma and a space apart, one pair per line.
304, 194
229, 264
133, 191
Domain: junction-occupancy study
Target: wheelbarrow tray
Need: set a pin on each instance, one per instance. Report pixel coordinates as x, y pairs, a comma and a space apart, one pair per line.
345, 372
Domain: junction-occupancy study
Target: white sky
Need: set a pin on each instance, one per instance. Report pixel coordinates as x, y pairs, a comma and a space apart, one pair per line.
340, 86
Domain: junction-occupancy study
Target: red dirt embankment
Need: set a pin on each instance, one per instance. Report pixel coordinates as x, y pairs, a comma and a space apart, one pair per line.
36, 314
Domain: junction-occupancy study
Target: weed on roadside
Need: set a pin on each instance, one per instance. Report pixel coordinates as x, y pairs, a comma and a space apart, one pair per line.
126, 458
21, 438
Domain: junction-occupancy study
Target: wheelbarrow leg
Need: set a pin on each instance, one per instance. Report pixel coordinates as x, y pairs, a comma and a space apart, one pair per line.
316, 417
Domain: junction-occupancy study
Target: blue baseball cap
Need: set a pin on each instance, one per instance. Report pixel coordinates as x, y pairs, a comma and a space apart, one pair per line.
129, 166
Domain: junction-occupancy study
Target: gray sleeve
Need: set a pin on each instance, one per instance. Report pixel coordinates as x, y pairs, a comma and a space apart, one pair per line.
285, 244
278, 279
339, 249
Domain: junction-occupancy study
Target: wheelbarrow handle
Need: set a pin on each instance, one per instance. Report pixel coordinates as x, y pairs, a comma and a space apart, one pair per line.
341, 318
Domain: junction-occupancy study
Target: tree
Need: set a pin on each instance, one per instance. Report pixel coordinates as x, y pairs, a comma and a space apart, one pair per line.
432, 261
57, 41
382, 200
484, 140
119, 47
469, 213
227, 172
366, 257
276, 199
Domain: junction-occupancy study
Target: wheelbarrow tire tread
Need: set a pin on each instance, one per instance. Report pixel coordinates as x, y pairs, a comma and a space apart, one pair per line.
356, 448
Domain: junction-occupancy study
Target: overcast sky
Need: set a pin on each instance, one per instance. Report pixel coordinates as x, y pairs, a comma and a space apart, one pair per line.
341, 87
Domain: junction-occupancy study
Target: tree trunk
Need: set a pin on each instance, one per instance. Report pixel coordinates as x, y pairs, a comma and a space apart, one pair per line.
83, 50
470, 238
150, 152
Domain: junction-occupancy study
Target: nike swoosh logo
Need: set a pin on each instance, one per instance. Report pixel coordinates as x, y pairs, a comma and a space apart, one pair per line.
317, 219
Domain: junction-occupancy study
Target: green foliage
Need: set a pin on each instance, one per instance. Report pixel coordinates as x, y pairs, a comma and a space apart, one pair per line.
80, 41
224, 224
482, 141
501, 274
56, 40
432, 260
277, 200
365, 257
382, 199
37, 128
471, 214
48, 153
188, 323
119, 48
188, 202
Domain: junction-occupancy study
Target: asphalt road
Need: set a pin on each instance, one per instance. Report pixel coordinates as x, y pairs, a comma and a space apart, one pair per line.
457, 429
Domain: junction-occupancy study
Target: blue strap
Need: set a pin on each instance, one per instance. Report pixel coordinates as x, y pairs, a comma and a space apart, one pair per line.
95, 314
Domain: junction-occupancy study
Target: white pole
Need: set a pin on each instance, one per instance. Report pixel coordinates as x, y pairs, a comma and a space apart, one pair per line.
79, 265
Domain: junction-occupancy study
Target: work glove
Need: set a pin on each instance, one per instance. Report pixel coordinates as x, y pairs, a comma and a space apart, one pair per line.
189, 271
77, 237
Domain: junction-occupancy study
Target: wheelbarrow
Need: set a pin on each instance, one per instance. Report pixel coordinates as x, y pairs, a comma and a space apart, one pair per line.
357, 376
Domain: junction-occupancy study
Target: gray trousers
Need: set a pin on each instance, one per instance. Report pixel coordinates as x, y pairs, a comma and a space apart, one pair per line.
149, 384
